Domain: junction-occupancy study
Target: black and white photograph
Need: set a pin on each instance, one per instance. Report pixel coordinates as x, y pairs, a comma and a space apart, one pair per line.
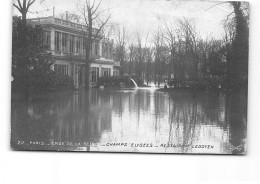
121, 76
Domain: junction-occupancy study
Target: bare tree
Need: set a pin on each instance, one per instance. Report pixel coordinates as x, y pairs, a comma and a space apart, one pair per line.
120, 49
130, 57
95, 22
149, 58
23, 7
158, 43
190, 38
170, 41
140, 53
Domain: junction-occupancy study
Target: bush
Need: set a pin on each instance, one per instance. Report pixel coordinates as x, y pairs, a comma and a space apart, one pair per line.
41, 83
199, 84
32, 63
61, 82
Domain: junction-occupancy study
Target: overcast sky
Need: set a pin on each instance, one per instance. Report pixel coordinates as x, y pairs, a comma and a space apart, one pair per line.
147, 15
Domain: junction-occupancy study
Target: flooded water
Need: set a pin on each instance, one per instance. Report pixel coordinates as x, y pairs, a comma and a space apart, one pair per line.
133, 120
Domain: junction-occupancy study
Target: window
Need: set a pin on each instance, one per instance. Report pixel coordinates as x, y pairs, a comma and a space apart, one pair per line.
46, 39
106, 47
111, 51
116, 73
94, 74
72, 38
96, 48
93, 49
57, 41
81, 44
106, 72
107, 56
78, 46
64, 41
84, 46
103, 50
61, 69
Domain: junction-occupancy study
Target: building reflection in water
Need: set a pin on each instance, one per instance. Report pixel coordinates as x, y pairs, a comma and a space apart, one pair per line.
171, 122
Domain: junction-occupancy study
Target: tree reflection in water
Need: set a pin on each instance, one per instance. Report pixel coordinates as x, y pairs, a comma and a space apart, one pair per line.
172, 122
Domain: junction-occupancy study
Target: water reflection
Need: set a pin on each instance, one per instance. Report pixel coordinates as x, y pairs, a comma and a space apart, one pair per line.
139, 120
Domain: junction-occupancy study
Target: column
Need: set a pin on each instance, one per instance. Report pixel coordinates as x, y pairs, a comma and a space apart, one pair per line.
68, 43
100, 48
75, 44
93, 49
81, 44
106, 49
97, 47
111, 51
100, 71
76, 76
60, 42
52, 40
72, 70
83, 75
112, 70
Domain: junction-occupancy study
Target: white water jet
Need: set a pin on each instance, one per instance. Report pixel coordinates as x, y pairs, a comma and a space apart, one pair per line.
136, 86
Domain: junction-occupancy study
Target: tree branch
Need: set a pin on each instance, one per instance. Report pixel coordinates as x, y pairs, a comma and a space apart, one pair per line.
18, 8
228, 16
101, 27
20, 5
94, 11
215, 5
93, 4
97, 15
30, 2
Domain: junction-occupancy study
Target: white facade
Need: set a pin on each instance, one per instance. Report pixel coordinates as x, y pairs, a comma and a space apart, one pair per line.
65, 40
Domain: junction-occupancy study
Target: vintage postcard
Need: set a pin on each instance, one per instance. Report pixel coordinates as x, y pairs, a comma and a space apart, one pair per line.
139, 76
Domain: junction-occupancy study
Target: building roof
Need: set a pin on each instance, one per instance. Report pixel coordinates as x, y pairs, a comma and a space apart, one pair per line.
64, 25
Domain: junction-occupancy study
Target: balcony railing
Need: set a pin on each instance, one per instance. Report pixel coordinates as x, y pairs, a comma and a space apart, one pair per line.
72, 24
57, 21
74, 54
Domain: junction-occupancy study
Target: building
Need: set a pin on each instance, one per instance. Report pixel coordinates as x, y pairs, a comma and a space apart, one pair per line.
65, 40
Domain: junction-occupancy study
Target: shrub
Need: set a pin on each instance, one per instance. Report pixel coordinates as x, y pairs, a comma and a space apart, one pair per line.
61, 82
41, 83
199, 83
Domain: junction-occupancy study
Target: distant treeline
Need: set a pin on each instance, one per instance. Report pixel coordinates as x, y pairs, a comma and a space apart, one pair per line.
178, 53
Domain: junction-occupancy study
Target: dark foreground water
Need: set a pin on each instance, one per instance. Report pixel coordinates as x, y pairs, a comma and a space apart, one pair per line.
142, 120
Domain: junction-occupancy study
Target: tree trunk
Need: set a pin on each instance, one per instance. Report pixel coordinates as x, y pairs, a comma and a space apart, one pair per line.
88, 54
87, 75
24, 17
88, 65
238, 63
